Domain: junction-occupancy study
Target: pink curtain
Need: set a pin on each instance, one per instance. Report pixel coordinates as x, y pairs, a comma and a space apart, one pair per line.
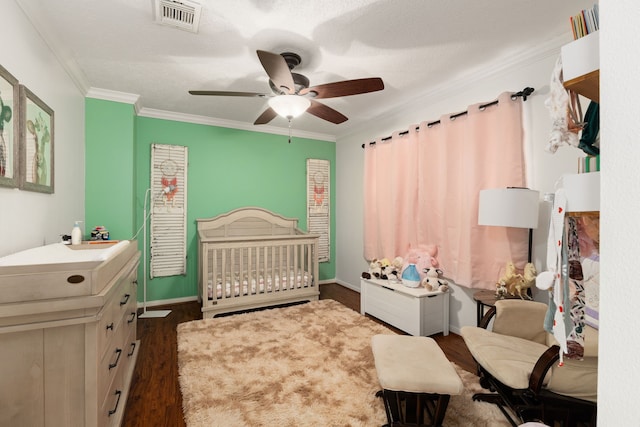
423, 187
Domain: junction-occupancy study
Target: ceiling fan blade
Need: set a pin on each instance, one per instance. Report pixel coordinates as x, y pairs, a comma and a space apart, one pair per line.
346, 88
225, 93
277, 70
266, 116
326, 113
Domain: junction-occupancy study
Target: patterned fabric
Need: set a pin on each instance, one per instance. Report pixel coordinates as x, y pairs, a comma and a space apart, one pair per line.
558, 106
563, 280
551, 280
575, 341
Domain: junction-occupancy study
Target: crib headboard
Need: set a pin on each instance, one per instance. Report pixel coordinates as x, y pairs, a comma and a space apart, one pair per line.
245, 222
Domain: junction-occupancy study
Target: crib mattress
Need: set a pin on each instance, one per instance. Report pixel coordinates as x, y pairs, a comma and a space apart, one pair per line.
257, 283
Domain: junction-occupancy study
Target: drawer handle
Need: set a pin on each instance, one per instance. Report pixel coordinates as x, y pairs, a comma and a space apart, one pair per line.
114, 410
114, 364
389, 289
432, 296
75, 279
135, 282
125, 299
110, 326
133, 349
133, 317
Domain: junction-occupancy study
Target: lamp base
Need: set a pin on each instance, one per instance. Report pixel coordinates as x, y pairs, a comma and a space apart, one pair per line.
154, 314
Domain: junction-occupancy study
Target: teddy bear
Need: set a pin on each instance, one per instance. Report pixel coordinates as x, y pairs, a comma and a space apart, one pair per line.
433, 281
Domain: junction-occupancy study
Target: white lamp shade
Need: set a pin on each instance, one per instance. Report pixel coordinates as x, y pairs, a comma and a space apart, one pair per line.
289, 106
582, 191
508, 207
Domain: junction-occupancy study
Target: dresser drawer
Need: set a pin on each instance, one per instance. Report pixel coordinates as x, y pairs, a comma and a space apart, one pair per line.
117, 310
114, 402
115, 399
111, 361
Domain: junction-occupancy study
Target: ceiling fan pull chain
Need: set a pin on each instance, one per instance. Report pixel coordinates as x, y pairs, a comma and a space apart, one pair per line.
289, 131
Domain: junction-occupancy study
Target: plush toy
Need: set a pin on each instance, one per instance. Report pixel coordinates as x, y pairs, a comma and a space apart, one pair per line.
523, 282
515, 283
429, 255
381, 269
433, 281
397, 263
501, 290
424, 257
375, 270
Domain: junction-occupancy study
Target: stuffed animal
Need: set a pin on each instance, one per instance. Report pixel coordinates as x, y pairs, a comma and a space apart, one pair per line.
515, 283
397, 263
424, 257
524, 282
392, 271
383, 269
501, 290
433, 281
429, 253
375, 270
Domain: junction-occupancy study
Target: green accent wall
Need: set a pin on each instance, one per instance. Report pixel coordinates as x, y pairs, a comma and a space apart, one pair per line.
110, 172
228, 169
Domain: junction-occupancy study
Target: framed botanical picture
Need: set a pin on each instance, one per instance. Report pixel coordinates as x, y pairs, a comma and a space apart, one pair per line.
9, 97
36, 143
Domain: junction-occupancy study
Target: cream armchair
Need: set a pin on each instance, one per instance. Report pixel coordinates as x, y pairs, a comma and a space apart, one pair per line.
517, 359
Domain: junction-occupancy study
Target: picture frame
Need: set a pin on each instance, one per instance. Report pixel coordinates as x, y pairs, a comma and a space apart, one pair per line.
9, 129
36, 143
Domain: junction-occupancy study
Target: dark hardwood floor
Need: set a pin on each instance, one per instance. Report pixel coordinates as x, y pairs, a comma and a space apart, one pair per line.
155, 399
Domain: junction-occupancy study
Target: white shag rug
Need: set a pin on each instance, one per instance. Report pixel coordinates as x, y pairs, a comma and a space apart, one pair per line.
304, 365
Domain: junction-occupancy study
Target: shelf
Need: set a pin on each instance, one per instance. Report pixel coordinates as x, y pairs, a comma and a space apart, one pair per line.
581, 66
587, 85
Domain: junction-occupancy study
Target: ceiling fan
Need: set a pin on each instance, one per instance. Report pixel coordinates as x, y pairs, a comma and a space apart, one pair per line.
292, 95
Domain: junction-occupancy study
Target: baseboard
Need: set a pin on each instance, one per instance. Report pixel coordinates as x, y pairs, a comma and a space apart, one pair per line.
167, 301
348, 285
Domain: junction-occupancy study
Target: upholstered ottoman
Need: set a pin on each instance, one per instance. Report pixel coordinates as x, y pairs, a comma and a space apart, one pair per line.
416, 379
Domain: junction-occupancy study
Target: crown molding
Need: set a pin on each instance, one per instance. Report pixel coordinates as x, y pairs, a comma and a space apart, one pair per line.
131, 98
232, 124
115, 96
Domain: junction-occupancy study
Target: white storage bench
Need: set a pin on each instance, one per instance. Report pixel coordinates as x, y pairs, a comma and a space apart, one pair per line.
416, 311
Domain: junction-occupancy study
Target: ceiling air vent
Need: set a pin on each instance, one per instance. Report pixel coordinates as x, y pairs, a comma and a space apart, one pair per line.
182, 14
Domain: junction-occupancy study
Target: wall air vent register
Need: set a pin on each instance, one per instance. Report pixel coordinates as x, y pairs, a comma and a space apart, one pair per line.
182, 14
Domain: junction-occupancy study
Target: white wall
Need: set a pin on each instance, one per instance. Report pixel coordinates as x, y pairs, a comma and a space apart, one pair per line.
534, 70
619, 367
29, 219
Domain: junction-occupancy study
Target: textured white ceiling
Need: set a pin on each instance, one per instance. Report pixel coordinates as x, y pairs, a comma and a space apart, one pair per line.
415, 46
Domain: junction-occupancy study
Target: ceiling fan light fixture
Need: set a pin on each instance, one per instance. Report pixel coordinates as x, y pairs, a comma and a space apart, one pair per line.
289, 106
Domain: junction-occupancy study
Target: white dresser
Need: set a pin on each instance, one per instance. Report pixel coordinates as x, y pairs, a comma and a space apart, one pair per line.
67, 334
413, 310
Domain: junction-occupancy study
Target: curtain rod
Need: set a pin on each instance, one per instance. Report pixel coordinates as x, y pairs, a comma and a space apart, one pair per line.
524, 93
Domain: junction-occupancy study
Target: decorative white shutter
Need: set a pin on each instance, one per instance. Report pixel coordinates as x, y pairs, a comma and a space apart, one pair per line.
168, 210
318, 218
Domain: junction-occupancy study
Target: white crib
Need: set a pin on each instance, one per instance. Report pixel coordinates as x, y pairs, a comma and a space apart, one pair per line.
251, 258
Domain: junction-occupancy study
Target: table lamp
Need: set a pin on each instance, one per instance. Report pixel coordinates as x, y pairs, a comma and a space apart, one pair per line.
509, 207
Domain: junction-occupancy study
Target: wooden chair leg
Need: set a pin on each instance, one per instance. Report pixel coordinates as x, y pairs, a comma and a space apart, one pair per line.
441, 409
